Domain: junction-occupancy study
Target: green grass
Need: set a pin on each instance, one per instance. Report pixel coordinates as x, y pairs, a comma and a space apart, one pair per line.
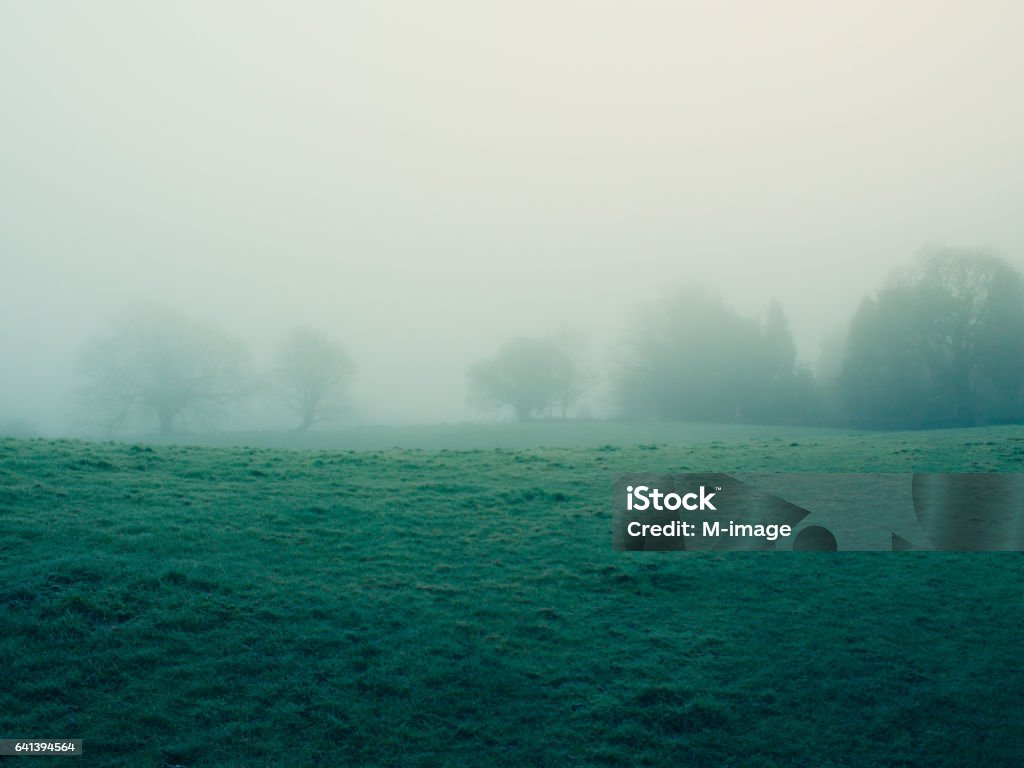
187, 606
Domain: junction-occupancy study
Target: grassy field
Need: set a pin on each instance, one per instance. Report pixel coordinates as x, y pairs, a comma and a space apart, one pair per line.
198, 606
462, 437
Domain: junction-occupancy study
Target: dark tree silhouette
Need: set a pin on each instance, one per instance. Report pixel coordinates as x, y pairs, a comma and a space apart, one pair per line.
941, 345
530, 375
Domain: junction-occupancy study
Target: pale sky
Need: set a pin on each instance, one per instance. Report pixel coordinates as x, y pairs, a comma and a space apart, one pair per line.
427, 180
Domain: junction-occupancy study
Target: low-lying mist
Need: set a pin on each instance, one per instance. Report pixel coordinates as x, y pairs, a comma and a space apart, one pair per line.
940, 344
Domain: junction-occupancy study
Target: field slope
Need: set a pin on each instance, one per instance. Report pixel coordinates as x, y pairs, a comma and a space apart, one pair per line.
190, 606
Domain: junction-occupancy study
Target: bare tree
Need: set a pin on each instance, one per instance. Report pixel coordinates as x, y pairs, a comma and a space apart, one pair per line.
155, 363
311, 375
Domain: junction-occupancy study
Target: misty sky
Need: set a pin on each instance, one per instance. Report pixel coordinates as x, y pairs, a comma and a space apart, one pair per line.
427, 180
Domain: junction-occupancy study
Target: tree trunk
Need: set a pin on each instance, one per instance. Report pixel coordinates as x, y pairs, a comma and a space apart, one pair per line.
166, 417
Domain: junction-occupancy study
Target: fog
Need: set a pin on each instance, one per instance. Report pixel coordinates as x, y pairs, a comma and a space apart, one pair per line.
425, 181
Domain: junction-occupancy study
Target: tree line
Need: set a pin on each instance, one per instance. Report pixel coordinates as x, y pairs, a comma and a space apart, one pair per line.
157, 367
941, 344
